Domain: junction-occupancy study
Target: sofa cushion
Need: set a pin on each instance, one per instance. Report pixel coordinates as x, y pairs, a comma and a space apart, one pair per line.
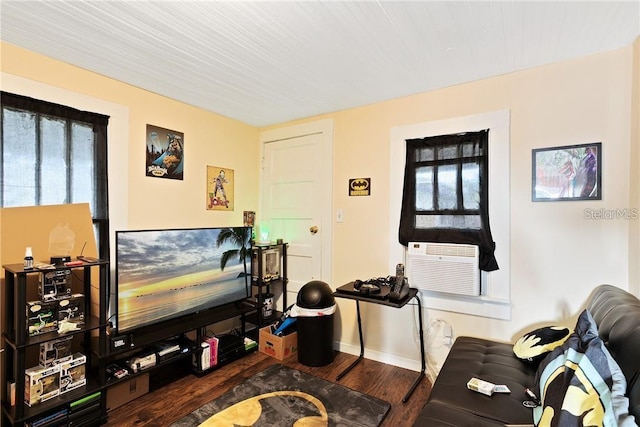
490, 361
580, 381
438, 414
534, 345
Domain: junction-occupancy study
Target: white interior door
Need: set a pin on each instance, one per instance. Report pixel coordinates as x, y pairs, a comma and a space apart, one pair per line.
296, 198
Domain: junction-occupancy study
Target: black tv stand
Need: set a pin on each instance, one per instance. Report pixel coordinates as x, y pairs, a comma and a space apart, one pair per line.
189, 331
149, 335
242, 304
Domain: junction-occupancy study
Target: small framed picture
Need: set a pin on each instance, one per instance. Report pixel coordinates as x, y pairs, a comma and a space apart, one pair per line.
572, 172
249, 218
165, 153
270, 264
220, 184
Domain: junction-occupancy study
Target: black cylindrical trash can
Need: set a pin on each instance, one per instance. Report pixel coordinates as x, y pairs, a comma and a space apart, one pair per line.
315, 328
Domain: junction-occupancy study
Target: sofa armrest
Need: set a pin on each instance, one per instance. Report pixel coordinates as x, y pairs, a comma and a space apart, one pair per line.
617, 314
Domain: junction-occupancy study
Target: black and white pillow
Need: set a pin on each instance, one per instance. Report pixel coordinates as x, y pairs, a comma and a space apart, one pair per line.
534, 345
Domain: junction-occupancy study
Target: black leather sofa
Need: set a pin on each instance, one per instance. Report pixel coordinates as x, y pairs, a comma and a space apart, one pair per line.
617, 314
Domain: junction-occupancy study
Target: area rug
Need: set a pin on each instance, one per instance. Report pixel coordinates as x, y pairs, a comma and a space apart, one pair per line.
280, 396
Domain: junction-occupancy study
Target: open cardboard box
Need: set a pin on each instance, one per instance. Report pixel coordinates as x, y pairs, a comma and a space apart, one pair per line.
275, 346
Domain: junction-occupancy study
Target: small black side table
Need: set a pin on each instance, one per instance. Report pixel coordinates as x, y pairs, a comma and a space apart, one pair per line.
413, 293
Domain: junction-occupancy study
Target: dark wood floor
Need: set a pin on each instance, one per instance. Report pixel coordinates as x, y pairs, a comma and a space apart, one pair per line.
172, 401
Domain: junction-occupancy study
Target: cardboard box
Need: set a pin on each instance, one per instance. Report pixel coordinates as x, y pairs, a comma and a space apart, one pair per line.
11, 393
485, 387
127, 391
41, 384
275, 346
42, 317
72, 373
56, 351
70, 313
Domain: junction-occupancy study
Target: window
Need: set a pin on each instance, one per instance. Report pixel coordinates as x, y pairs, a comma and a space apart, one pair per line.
445, 194
53, 154
495, 301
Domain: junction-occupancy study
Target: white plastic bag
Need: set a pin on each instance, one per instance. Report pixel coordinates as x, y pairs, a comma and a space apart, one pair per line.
438, 343
311, 312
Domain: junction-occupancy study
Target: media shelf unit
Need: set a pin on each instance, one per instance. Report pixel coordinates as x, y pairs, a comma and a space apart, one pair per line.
20, 347
269, 275
143, 339
98, 341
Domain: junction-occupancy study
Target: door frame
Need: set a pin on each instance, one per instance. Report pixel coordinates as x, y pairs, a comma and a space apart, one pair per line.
325, 128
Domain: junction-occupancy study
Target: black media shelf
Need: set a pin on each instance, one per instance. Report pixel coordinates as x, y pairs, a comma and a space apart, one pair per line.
92, 323
54, 404
225, 361
264, 321
177, 358
269, 280
91, 279
144, 337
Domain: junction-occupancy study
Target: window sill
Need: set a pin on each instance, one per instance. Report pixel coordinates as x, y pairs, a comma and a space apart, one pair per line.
484, 306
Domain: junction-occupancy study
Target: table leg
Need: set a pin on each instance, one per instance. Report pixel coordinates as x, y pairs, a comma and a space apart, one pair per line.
423, 359
355, 362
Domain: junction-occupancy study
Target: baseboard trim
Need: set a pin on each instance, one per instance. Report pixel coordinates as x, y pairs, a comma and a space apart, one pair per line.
389, 359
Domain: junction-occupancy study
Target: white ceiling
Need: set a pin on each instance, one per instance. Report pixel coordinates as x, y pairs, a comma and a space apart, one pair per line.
270, 62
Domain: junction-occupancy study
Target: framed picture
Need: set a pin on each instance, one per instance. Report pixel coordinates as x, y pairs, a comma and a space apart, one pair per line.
165, 153
220, 184
249, 218
572, 172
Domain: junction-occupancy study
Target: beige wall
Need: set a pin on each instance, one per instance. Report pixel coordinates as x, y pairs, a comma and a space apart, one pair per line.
138, 201
557, 256
135, 200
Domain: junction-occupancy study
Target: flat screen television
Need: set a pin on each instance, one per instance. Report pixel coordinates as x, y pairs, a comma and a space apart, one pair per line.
167, 274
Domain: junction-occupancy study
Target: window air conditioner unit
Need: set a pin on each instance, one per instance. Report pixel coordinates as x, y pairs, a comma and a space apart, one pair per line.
444, 267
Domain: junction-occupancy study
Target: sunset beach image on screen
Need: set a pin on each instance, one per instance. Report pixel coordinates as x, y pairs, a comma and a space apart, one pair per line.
164, 274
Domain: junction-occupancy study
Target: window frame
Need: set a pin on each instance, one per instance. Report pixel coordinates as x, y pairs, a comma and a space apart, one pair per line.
99, 123
495, 301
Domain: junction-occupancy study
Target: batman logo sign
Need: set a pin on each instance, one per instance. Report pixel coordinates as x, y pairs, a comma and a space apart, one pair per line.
359, 184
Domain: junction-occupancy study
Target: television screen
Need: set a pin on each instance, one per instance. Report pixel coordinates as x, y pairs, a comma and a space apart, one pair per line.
164, 274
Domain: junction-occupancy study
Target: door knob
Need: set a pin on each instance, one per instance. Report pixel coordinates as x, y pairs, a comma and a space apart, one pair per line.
313, 229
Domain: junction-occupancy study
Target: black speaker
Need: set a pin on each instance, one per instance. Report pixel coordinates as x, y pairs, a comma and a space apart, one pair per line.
60, 259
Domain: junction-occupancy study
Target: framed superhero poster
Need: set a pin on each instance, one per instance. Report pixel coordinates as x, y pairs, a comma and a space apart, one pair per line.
165, 153
219, 188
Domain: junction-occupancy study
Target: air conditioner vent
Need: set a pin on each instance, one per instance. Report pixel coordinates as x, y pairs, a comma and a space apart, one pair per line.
453, 250
444, 267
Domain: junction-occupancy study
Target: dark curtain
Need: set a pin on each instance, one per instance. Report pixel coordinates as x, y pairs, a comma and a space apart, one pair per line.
409, 232
49, 108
